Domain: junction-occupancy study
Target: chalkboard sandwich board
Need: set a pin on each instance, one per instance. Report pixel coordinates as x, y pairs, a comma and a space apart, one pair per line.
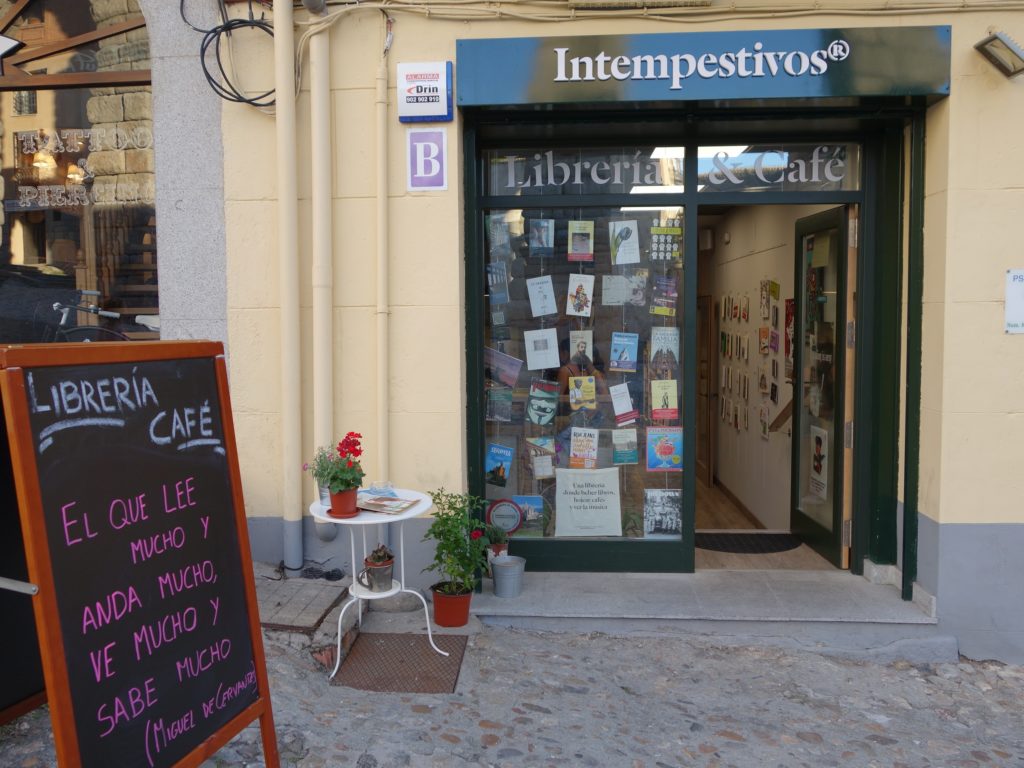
131, 510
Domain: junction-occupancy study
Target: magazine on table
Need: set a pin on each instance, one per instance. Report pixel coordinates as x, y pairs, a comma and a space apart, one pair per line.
385, 505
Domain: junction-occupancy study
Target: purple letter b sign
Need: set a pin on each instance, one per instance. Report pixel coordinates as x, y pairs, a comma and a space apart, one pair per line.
428, 159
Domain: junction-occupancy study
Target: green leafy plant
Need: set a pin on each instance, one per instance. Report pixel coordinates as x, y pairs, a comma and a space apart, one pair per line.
460, 541
380, 555
496, 534
338, 468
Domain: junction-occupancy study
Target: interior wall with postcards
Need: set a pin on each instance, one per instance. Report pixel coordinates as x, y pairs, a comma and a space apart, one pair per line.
753, 288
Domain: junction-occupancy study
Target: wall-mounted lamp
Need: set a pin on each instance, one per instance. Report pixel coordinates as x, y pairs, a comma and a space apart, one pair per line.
43, 160
75, 174
1004, 54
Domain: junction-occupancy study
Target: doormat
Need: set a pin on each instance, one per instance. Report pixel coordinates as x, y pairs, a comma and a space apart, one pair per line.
402, 663
748, 543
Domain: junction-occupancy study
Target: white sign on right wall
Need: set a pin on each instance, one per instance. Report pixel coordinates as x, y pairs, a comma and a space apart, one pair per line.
1015, 301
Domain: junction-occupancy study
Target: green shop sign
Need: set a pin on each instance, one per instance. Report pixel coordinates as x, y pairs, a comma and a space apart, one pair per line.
766, 64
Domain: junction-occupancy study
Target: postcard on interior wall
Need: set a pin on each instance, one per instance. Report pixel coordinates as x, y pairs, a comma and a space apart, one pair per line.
583, 393
541, 349
663, 298
775, 315
540, 452
581, 347
622, 403
663, 513
501, 367
746, 418
532, 508
542, 402
790, 321
762, 340
583, 448
664, 449
762, 418
765, 299
624, 447
498, 464
773, 289
542, 237
725, 309
587, 502
775, 369
581, 241
775, 393
497, 283
667, 243
542, 296
624, 241
735, 308
818, 480
745, 309
665, 398
762, 379
773, 340
498, 244
624, 352
499, 404
580, 299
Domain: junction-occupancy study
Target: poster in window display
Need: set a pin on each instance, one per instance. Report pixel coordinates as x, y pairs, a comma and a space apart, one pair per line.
497, 283
542, 237
541, 349
581, 241
624, 242
498, 464
583, 448
818, 478
587, 502
663, 513
624, 352
542, 296
579, 300
542, 402
501, 367
664, 449
532, 508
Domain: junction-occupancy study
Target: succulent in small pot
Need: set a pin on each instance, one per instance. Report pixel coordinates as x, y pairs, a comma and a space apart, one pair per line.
497, 539
378, 570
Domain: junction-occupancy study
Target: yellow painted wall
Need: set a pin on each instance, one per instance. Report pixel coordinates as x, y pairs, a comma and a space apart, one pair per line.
972, 398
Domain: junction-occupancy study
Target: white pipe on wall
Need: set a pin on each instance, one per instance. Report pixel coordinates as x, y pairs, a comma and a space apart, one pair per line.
288, 273
383, 306
322, 167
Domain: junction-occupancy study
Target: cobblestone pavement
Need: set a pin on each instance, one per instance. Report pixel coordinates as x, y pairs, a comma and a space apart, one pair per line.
543, 699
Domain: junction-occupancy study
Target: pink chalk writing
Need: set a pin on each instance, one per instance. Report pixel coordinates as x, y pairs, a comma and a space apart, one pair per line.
150, 637
70, 522
148, 546
181, 496
114, 607
124, 709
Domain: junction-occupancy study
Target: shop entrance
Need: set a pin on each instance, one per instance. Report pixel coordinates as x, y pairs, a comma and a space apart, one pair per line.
774, 386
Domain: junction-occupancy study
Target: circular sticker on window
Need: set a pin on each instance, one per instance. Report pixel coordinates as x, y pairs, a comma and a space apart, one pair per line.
505, 514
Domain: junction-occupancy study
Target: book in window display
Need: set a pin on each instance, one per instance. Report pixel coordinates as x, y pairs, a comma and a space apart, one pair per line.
628, 288
498, 236
581, 347
497, 283
542, 296
498, 464
667, 242
581, 241
624, 447
624, 242
664, 358
499, 404
664, 449
542, 237
583, 448
579, 300
583, 393
624, 352
662, 513
541, 349
542, 402
663, 299
501, 367
532, 508
664, 399
541, 455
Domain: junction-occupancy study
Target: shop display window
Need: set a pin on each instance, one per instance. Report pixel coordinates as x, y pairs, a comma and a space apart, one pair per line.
583, 427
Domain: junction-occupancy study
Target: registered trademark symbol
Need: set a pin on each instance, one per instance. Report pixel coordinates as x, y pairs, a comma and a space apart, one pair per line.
838, 50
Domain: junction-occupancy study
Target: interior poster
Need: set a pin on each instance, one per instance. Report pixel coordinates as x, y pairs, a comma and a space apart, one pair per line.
588, 502
818, 479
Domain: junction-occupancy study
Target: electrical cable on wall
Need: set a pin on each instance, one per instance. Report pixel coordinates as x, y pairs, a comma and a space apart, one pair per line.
217, 44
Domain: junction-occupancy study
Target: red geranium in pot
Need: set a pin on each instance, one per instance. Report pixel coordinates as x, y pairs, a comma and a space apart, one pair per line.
340, 471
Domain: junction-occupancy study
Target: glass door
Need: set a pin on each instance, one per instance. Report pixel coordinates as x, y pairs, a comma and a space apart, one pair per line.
821, 497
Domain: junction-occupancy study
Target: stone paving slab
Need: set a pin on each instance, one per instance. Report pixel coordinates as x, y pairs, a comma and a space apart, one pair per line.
292, 603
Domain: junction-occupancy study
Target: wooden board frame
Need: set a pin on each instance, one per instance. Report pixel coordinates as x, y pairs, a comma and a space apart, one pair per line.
13, 360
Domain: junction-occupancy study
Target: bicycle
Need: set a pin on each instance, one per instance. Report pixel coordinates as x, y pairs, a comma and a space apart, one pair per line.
67, 329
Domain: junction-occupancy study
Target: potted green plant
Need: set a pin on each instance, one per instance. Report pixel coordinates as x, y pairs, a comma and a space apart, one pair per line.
320, 469
458, 556
497, 539
339, 470
378, 569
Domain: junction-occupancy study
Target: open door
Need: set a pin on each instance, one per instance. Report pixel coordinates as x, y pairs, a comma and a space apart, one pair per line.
705, 389
823, 366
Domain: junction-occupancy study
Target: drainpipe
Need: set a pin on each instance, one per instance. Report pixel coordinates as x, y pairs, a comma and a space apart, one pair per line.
323, 247
288, 278
383, 309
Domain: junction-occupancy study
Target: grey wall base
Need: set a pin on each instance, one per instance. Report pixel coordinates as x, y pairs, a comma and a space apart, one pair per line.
266, 536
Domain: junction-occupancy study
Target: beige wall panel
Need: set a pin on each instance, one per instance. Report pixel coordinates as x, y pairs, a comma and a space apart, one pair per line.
250, 172
426, 363
257, 435
251, 232
254, 342
356, 45
432, 453
354, 366
987, 370
426, 255
986, 486
984, 240
929, 501
933, 356
355, 143
355, 252
936, 231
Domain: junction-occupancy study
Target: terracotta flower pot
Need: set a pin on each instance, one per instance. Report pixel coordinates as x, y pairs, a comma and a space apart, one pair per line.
343, 504
451, 610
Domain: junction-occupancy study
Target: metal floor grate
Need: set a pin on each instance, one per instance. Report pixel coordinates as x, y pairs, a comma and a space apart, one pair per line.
402, 663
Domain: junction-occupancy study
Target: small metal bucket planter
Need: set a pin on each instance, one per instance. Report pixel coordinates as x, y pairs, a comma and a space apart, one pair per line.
378, 570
